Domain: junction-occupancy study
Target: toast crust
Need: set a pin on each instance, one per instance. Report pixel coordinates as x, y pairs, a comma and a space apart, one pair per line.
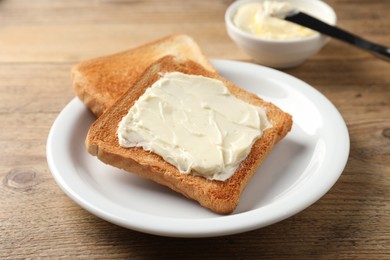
100, 82
219, 196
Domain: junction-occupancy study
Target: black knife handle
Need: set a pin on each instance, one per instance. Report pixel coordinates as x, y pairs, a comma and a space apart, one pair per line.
335, 32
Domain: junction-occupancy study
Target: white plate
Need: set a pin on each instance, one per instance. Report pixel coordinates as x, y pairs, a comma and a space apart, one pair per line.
300, 169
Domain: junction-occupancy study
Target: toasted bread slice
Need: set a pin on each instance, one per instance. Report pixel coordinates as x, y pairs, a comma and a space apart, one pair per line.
219, 196
100, 82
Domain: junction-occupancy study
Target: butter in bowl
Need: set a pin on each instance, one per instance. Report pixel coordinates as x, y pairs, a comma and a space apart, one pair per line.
272, 41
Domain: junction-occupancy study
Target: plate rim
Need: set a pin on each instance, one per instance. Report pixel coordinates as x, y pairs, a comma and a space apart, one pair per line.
206, 227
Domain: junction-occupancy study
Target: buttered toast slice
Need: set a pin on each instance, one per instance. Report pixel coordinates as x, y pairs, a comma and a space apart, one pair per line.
219, 196
100, 82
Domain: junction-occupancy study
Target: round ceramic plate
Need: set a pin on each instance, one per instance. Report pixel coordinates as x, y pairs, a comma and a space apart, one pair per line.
299, 170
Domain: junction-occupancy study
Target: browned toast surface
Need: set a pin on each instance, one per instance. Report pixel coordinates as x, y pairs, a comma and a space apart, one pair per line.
100, 82
219, 196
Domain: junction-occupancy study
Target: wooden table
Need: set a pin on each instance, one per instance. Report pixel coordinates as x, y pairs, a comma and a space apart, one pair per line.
40, 40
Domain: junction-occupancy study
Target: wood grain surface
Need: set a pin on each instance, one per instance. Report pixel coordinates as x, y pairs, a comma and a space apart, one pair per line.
40, 40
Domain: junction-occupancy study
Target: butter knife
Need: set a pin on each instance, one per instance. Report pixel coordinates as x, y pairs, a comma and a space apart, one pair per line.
313, 23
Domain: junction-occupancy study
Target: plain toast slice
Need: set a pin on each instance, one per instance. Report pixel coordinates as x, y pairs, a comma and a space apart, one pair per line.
100, 82
219, 196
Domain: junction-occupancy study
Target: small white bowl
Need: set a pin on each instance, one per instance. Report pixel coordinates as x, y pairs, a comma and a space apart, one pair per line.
281, 53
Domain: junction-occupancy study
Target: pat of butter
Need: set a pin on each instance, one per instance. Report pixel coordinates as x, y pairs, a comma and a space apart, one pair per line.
195, 124
257, 18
